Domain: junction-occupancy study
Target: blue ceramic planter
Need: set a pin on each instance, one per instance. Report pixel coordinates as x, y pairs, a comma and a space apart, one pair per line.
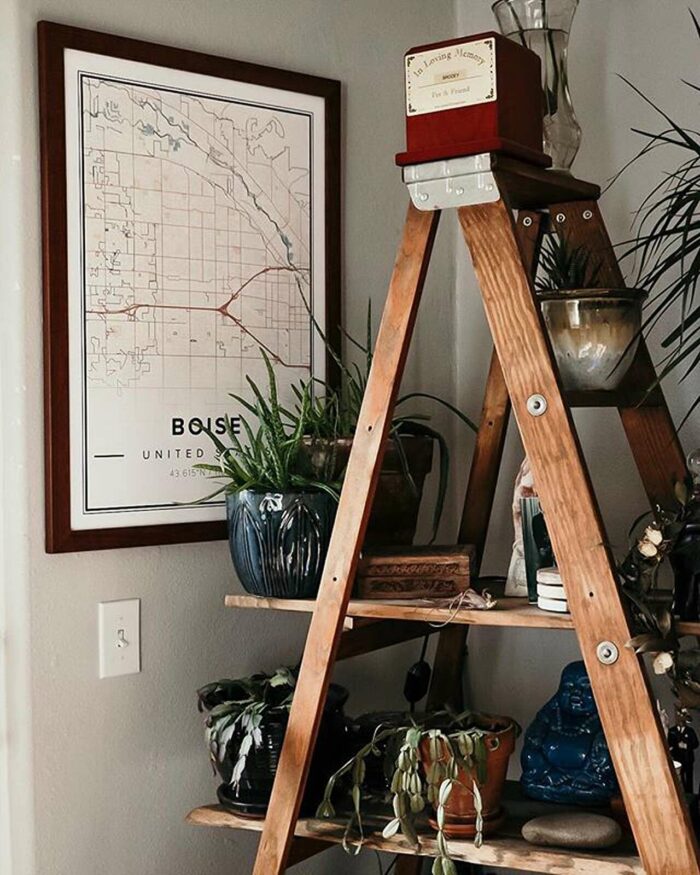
279, 541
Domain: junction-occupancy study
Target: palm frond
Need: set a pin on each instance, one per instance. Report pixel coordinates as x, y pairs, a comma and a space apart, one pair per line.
666, 245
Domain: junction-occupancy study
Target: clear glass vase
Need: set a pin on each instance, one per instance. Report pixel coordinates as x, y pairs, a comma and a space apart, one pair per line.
544, 27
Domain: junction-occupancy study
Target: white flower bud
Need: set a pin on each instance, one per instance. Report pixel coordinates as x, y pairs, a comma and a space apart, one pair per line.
662, 663
653, 535
647, 549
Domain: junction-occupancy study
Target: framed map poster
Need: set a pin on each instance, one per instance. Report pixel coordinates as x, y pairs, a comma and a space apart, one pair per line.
190, 220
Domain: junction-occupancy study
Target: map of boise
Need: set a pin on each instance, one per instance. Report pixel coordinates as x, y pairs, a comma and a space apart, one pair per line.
196, 248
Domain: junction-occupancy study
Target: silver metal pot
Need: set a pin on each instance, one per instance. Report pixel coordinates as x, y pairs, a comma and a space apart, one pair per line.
594, 334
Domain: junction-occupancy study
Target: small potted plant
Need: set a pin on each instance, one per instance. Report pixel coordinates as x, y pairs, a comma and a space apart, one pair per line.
457, 764
409, 452
594, 330
244, 729
282, 477
280, 507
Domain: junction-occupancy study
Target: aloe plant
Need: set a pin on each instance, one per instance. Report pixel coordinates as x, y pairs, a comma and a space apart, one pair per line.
336, 412
272, 458
275, 456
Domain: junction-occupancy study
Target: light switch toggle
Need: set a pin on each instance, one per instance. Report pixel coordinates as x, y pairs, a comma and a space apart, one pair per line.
120, 637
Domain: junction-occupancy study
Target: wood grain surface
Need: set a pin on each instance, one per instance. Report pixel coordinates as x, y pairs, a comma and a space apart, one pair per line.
502, 851
653, 798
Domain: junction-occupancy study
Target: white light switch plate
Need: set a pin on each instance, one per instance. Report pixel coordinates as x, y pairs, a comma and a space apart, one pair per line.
120, 637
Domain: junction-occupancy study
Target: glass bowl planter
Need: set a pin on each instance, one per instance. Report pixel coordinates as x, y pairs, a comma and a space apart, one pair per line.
594, 334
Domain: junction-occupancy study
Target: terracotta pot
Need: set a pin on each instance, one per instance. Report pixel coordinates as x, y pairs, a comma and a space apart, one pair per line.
594, 334
460, 814
394, 515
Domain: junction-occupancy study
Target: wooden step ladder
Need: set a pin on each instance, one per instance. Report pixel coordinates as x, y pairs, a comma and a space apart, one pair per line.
504, 248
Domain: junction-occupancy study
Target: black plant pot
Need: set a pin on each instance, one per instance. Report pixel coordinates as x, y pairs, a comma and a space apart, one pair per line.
393, 518
279, 541
252, 795
685, 561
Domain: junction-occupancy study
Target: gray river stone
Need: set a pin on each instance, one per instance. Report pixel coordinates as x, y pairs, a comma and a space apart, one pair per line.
582, 831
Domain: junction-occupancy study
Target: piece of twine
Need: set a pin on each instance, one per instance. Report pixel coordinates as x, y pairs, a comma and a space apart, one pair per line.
457, 603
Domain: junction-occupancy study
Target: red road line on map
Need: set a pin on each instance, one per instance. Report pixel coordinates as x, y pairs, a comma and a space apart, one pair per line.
223, 310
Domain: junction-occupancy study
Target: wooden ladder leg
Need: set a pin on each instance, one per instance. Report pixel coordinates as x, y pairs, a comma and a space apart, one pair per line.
348, 533
652, 795
649, 427
653, 438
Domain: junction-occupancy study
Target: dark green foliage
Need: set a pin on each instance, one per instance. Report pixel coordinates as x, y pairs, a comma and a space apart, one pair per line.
235, 711
335, 414
666, 247
277, 456
565, 267
270, 458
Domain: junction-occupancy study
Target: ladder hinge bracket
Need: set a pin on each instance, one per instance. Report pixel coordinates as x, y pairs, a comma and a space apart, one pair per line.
454, 182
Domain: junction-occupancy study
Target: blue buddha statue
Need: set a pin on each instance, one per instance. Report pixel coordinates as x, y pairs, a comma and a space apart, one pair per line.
565, 757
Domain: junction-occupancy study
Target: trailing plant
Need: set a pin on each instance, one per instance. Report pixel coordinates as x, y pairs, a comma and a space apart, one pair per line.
271, 458
654, 624
666, 246
235, 713
565, 267
425, 759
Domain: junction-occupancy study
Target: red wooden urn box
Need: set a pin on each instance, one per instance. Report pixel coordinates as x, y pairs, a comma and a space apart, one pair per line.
470, 95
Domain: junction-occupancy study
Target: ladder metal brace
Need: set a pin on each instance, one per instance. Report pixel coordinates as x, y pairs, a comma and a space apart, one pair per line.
454, 182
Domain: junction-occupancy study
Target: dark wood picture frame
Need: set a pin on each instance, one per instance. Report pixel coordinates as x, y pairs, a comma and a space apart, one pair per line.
53, 40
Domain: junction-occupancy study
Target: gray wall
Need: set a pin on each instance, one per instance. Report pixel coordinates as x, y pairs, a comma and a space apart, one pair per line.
117, 763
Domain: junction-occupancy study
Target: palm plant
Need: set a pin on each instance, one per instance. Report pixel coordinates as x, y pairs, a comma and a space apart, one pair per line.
666, 245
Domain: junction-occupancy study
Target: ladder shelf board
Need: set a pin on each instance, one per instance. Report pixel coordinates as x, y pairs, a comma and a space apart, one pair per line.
508, 612
507, 850
528, 187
